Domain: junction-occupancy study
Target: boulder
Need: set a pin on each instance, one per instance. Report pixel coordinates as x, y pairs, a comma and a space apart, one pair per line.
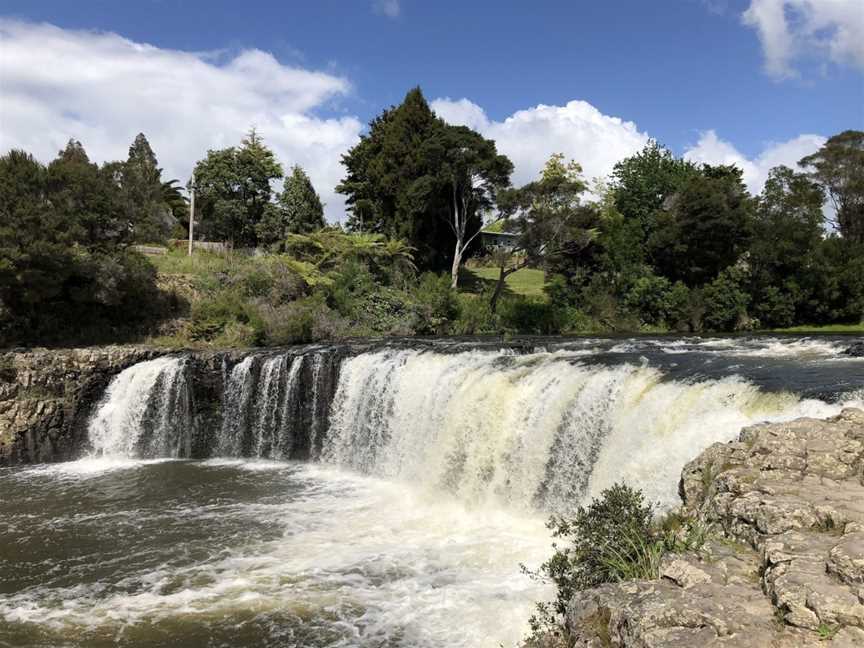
856, 350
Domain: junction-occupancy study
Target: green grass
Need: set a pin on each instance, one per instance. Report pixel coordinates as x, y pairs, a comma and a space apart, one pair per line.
527, 281
825, 329
201, 263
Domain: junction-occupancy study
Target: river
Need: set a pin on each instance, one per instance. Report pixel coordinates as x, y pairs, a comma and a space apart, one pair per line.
428, 484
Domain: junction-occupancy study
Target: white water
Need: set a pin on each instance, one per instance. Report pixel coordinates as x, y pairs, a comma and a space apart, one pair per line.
435, 476
144, 412
537, 431
359, 561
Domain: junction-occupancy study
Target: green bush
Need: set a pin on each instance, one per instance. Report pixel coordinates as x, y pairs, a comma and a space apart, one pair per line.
475, 316
775, 307
520, 315
680, 308
726, 301
615, 538
304, 320
649, 298
212, 315
437, 304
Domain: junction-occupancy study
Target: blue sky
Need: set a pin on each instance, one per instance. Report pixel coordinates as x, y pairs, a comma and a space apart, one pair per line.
719, 80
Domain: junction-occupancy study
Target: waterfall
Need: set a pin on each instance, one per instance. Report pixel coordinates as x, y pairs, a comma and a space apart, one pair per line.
533, 431
145, 412
543, 430
262, 407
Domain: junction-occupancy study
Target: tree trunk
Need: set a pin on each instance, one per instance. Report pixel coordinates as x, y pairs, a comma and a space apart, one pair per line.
454, 271
499, 288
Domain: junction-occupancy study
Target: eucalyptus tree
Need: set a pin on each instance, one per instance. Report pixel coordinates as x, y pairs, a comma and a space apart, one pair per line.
473, 173
839, 167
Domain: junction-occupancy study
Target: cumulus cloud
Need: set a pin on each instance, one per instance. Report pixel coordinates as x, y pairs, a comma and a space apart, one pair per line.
528, 137
389, 8
710, 149
103, 89
793, 29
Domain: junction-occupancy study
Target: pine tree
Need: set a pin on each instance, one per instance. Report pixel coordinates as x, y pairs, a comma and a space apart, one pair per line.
298, 210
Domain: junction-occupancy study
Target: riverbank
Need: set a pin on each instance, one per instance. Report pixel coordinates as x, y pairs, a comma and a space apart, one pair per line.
786, 565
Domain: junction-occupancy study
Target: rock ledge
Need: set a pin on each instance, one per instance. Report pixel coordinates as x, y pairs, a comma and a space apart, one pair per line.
786, 565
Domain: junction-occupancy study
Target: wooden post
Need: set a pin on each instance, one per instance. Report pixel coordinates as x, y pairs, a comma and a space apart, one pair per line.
191, 213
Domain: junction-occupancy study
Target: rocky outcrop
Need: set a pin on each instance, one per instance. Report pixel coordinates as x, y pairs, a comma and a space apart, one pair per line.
785, 567
46, 397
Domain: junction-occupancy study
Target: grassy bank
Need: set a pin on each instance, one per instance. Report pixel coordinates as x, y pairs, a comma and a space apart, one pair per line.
827, 329
527, 282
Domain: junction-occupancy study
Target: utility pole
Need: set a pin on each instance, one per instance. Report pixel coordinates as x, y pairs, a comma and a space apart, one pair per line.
191, 212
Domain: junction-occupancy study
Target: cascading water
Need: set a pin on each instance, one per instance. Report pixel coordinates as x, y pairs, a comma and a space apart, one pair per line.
145, 412
432, 471
534, 431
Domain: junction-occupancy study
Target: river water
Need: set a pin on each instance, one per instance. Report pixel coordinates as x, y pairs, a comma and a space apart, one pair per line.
428, 486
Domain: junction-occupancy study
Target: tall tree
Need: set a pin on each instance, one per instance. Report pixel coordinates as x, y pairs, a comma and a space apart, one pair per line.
641, 185
705, 227
233, 190
146, 203
298, 210
470, 167
547, 216
399, 180
787, 230
839, 167
85, 198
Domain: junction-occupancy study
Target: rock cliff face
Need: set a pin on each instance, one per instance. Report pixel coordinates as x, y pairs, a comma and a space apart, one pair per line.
46, 396
786, 567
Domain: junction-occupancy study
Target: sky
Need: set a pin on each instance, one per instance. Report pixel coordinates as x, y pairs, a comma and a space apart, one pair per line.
751, 82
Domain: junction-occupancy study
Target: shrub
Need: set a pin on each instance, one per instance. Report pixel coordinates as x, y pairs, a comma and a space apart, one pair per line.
305, 320
437, 304
475, 315
775, 307
520, 315
212, 315
615, 538
726, 301
649, 298
680, 308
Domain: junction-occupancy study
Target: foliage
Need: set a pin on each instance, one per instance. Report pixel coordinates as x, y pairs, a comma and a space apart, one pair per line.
546, 216
64, 275
411, 171
615, 538
226, 311
641, 186
705, 229
152, 206
726, 300
839, 168
298, 210
233, 190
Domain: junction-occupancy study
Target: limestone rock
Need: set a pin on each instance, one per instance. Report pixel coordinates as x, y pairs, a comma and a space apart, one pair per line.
789, 499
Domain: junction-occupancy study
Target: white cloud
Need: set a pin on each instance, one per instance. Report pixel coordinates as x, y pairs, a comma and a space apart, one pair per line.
389, 8
103, 89
529, 137
710, 149
793, 29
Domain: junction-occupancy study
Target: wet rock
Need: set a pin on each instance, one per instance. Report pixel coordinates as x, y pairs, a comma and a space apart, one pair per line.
789, 500
856, 350
46, 396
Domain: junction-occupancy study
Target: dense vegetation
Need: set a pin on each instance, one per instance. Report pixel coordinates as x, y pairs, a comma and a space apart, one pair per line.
617, 537
662, 244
